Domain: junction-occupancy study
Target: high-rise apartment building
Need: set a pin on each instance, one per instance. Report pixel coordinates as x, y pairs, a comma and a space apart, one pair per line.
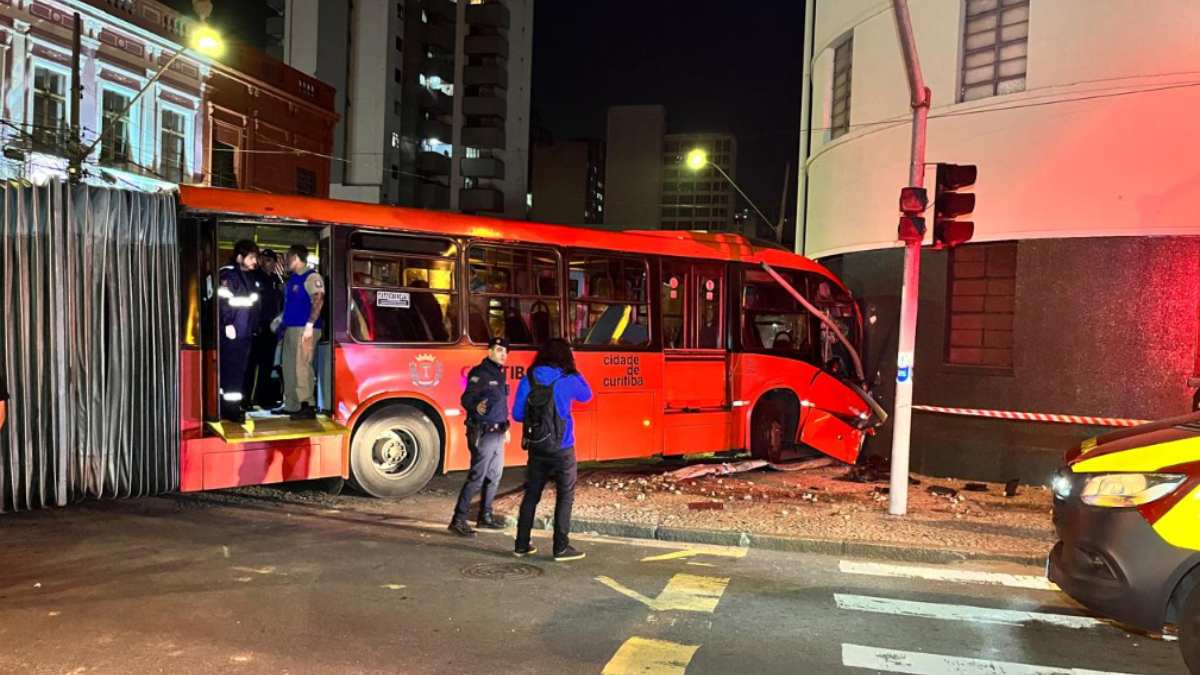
703, 199
648, 184
568, 183
434, 98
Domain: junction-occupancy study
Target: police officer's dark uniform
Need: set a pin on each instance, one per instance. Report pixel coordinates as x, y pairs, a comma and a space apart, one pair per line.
263, 387
238, 297
485, 437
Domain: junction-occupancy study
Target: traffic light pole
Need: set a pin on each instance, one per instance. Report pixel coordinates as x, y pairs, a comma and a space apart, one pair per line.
902, 413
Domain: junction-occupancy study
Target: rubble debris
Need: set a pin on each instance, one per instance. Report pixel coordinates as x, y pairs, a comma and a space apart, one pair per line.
975, 487
942, 491
806, 465
1010, 488
698, 470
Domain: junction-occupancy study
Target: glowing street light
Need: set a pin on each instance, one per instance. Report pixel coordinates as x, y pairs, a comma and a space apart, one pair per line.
208, 41
697, 159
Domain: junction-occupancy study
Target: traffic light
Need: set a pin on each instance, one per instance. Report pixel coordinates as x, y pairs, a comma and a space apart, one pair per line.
913, 201
949, 204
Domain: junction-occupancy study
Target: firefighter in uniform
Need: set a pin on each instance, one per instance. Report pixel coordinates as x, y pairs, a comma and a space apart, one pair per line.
486, 403
238, 298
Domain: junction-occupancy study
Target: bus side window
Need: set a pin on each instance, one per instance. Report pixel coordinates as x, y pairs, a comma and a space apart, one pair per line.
772, 320
403, 289
611, 307
514, 293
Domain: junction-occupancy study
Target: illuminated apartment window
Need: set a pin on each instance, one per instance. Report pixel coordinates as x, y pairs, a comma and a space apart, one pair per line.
995, 45
843, 57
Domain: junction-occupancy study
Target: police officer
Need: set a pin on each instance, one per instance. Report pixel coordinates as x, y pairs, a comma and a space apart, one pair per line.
263, 388
238, 298
486, 403
304, 298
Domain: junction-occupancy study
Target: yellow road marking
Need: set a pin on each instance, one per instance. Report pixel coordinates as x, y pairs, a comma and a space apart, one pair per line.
684, 593
650, 657
690, 552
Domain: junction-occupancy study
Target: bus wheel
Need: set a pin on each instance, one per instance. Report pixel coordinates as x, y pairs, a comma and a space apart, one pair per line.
394, 452
1189, 630
772, 429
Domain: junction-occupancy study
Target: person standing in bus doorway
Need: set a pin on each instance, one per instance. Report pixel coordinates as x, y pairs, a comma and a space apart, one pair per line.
303, 299
238, 298
543, 404
264, 390
486, 402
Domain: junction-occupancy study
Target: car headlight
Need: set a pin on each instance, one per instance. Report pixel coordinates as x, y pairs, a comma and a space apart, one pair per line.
1061, 484
1122, 490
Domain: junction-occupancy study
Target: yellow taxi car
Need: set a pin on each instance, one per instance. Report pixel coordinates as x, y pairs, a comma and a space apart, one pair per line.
1127, 513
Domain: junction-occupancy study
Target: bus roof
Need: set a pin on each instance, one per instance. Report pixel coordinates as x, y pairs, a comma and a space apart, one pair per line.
290, 208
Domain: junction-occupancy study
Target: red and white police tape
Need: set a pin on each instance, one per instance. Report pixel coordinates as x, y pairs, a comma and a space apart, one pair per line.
1032, 416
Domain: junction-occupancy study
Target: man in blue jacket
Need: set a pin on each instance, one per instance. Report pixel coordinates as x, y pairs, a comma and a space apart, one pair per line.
485, 401
553, 367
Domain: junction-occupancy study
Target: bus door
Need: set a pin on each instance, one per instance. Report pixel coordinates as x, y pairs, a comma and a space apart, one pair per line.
696, 360
262, 425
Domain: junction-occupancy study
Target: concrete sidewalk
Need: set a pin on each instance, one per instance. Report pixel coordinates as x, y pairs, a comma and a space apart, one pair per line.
758, 510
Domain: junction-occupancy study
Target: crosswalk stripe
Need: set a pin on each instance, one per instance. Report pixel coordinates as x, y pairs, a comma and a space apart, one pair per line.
650, 657
874, 569
951, 612
920, 663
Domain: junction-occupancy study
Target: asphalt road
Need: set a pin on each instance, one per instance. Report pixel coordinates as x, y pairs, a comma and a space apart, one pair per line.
159, 585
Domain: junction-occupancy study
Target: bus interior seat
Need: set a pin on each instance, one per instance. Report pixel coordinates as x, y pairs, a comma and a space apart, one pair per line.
514, 327
477, 325
635, 335
539, 322
602, 331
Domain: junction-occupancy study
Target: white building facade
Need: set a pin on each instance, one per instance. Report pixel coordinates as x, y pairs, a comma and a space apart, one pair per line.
1079, 292
158, 142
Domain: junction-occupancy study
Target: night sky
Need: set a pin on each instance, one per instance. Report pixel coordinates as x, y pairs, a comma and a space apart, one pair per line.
717, 65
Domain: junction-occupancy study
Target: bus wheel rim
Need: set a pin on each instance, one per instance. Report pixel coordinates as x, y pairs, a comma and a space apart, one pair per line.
394, 453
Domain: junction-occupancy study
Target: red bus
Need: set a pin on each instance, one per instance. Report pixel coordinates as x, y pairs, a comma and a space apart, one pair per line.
690, 341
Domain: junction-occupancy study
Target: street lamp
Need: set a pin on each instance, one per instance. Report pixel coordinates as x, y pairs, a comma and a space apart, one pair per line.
204, 40
697, 159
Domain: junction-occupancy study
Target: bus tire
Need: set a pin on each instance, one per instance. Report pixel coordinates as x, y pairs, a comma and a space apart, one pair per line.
394, 452
773, 427
1189, 630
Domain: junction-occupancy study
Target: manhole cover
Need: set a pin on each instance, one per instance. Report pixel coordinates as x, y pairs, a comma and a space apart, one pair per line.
502, 571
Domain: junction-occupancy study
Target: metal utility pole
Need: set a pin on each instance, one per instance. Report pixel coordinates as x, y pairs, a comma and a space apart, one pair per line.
75, 164
902, 412
787, 176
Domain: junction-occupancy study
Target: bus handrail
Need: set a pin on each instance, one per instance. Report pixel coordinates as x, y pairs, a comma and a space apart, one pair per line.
829, 323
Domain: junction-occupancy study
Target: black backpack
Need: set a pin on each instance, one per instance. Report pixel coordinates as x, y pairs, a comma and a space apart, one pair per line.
542, 431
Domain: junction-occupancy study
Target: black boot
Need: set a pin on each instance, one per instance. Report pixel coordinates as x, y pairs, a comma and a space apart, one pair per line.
233, 413
488, 522
461, 528
306, 412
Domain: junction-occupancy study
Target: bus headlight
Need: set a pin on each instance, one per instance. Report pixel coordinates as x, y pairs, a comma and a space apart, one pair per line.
1123, 490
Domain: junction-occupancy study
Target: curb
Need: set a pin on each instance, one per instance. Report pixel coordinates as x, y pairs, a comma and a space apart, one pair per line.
837, 547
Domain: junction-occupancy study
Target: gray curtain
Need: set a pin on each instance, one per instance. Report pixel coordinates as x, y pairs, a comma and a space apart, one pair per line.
89, 284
